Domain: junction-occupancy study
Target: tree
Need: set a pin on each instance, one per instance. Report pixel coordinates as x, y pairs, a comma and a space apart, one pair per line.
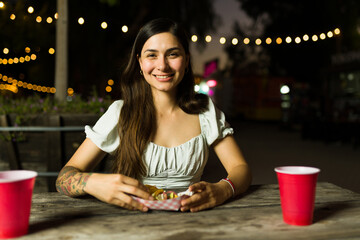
283, 18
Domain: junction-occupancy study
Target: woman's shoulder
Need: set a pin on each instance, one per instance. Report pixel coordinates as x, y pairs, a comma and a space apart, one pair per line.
116, 105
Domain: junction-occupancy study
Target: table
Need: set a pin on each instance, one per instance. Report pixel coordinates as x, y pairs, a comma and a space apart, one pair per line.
255, 215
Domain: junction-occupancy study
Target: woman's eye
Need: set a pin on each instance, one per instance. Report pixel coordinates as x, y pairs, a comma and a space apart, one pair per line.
151, 55
174, 54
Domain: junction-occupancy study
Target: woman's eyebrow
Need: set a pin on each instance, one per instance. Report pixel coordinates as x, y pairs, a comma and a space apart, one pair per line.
168, 50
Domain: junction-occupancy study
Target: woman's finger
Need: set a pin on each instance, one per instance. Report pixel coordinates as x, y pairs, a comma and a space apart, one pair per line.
135, 191
124, 200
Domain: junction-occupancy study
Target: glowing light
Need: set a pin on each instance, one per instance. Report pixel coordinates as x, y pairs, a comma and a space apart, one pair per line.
204, 88
51, 50
81, 20
258, 41
27, 49
246, 41
56, 15
38, 19
33, 57
268, 40
235, 41
278, 40
297, 40
194, 38
322, 36
30, 9
2, 5
211, 83
288, 39
104, 25
314, 38
208, 38
108, 89
330, 34
196, 88
6, 51
12, 16
284, 89
222, 40
70, 91
337, 31
306, 37
125, 29
110, 82
49, 20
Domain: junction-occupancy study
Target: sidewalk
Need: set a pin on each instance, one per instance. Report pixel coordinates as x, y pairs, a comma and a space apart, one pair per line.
265, 146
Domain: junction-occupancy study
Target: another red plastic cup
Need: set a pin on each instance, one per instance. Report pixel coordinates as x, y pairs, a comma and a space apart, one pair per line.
297, 185
16, 188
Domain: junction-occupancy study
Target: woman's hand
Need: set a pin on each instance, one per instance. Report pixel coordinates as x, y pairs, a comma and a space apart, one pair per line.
117, 189
206, 195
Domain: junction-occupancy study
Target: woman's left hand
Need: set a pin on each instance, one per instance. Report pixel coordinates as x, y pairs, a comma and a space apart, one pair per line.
206, 195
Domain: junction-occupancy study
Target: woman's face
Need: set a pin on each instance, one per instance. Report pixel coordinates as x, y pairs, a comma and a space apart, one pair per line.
163, 62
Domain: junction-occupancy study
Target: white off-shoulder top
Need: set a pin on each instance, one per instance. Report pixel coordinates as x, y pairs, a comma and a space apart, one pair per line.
167, 168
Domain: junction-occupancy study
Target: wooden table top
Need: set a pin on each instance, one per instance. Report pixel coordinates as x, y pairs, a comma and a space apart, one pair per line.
255, 215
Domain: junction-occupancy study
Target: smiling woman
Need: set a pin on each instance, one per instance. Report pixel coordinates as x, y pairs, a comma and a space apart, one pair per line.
160, 132
163, 62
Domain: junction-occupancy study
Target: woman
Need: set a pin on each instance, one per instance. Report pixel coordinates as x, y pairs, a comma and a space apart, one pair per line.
160, 132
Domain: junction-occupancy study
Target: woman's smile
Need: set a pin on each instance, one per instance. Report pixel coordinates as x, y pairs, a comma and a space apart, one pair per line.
164, 78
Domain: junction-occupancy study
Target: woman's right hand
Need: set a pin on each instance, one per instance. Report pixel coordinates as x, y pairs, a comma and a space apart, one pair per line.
116, 189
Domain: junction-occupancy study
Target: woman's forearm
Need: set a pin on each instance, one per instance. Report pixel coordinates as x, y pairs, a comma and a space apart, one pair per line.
241, 178
71, 181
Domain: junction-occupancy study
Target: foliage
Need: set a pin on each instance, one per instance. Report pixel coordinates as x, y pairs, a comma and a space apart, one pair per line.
26, 108
35, 105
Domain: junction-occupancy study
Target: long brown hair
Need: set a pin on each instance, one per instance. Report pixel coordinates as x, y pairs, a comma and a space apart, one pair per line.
137, 122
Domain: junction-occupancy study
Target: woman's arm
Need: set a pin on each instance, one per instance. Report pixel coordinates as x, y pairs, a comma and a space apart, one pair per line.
208, 195
75, 179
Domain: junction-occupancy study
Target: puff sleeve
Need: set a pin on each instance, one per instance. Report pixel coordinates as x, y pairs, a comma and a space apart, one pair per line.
214, 125
105, 132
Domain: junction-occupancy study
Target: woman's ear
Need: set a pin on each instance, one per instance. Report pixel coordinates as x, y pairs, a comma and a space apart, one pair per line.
139, 60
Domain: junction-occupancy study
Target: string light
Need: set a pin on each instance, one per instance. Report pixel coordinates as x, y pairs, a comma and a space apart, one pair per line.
222, 40
208, 38
2, 5
81, 21
30, 9
258, 41
235, 41
104, 25
26, 85
125, 29
194, 38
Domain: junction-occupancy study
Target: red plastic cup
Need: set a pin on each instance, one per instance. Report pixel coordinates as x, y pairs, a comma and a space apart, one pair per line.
297, 185
16, 188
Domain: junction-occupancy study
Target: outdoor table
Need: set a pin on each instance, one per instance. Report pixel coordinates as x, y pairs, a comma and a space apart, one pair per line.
254, 215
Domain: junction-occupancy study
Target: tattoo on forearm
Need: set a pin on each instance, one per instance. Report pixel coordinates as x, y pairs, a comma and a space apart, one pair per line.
71, 181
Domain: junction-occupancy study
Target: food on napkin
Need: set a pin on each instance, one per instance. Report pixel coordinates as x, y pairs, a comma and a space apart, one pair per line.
161, 194
169, 200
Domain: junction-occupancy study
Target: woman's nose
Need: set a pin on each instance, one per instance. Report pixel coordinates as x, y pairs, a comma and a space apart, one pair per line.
162, 64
